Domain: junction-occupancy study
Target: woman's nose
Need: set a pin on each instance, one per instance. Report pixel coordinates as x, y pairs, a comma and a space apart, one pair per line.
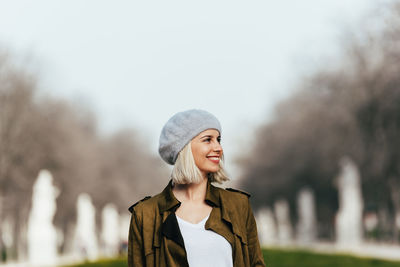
217, 146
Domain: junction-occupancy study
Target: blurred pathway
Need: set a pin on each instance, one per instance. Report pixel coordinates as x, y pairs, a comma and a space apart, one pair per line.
372, 250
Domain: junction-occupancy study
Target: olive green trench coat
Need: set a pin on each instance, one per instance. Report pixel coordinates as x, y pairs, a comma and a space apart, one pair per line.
155, 239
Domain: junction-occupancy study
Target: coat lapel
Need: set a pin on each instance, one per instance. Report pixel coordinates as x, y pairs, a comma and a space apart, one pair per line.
170, 229
167, 206
230, 215
219, 220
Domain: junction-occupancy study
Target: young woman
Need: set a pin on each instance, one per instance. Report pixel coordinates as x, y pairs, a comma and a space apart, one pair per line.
191, 222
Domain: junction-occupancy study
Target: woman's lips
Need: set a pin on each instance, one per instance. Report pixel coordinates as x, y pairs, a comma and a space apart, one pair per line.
214, 159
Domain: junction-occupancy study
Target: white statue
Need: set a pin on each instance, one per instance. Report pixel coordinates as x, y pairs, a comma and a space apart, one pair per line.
266, 226
349, 228
282, 214
41, 233
110, 230
124, 222
85, 233
307, 225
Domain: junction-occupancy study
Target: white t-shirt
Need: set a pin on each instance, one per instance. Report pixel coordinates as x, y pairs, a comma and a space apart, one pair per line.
205, 248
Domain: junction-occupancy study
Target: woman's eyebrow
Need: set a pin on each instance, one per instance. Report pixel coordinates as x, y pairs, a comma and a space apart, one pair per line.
211, 136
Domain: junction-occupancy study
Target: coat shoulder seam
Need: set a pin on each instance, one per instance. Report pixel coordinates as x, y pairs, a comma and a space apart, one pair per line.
142, 200
238, 191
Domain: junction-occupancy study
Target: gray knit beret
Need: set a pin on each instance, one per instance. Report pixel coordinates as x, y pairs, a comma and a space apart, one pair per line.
181, 128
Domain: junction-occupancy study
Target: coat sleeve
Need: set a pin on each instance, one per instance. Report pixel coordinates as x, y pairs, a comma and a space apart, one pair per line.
255, 253
135, 243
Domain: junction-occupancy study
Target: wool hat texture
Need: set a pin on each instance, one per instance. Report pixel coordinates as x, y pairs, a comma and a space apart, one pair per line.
181, 128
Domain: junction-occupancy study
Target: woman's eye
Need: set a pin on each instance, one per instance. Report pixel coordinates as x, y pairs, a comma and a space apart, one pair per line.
207, 140
219, 140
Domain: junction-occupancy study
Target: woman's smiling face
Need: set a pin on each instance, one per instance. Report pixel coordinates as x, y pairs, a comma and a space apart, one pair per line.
207, 151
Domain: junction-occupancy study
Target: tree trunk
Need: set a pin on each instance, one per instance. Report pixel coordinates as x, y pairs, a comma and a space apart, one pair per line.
395, 196
2, 248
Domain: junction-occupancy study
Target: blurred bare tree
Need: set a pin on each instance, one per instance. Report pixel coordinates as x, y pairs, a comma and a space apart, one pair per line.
352, 110
40, 132
20, 154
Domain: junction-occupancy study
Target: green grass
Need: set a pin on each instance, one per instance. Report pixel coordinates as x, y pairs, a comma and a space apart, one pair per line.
285, 258
120, 262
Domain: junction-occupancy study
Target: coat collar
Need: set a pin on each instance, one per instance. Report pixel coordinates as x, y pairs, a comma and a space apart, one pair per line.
212, 195
168, 204
169, 201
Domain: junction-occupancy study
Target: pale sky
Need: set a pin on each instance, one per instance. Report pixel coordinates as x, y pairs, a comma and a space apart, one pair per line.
138, 63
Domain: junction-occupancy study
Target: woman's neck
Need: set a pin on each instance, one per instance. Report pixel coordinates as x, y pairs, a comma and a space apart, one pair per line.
191, 192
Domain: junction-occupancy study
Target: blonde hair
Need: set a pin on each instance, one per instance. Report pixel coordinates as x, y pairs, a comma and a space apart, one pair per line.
185, 170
